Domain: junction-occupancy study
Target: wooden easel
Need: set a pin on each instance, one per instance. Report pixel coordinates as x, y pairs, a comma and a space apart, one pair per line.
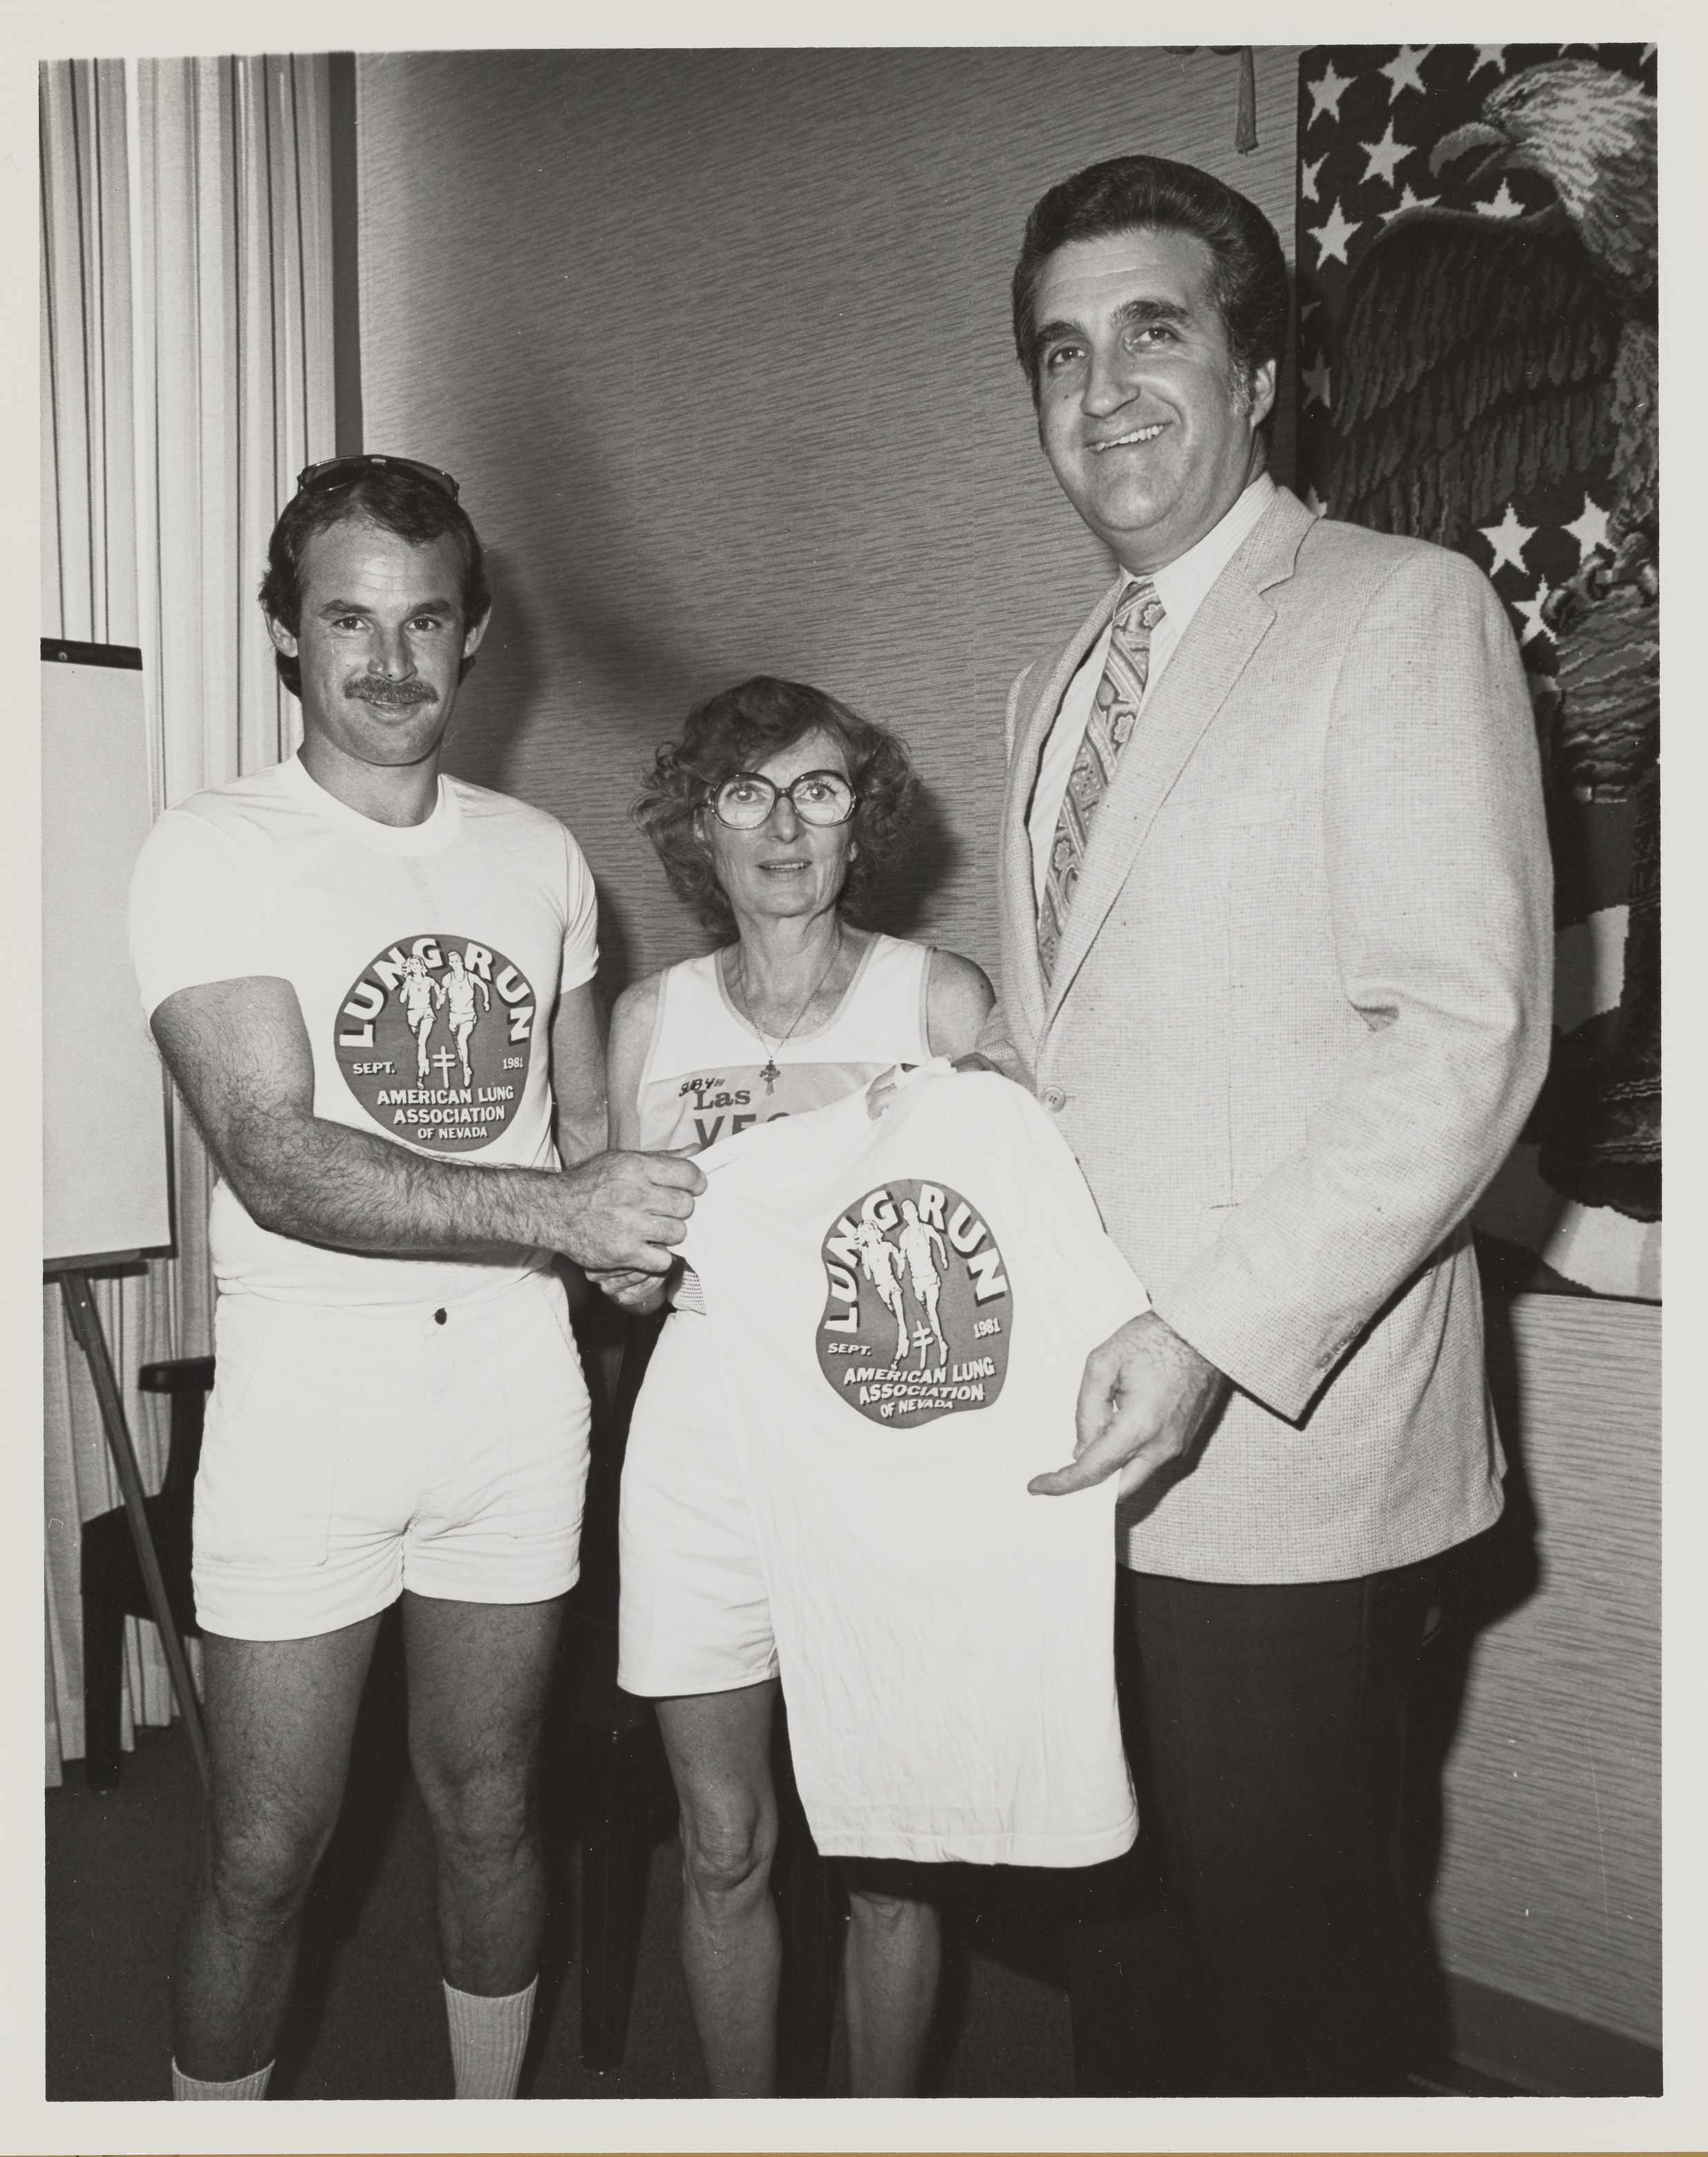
106, 1182
86, 1323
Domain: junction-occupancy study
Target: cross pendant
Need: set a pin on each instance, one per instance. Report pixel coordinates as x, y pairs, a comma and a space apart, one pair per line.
770, 1072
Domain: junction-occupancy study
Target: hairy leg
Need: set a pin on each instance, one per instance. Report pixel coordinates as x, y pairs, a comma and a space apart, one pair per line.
719, 1747
478, 1675
889, 1978
280, 1715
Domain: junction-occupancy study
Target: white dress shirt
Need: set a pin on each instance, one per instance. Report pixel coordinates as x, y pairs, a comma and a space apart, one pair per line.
1182, 586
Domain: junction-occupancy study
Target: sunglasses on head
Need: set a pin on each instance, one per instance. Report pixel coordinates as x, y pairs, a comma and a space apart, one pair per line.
344, 471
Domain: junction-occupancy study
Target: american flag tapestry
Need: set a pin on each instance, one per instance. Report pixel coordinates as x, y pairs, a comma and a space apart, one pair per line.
1478, 366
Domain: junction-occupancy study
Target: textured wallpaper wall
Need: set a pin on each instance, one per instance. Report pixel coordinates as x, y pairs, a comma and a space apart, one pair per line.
1549, 1881
718, 344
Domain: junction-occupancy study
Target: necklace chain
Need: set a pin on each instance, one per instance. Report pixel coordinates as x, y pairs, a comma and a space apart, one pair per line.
768, 1070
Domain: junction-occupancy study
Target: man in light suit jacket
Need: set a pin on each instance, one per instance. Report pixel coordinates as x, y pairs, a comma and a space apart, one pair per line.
1277, 929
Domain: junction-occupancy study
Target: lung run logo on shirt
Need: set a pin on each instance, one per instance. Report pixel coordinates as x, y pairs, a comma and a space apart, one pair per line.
917, 1306
434, 1040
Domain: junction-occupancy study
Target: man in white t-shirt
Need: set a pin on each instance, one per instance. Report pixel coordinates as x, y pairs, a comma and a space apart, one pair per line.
397, 1409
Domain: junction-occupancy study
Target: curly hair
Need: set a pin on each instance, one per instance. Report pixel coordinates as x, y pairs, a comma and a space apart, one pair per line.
741, 728
398, 501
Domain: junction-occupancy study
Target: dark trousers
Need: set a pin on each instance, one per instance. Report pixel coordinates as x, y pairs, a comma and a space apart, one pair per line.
1274, 1733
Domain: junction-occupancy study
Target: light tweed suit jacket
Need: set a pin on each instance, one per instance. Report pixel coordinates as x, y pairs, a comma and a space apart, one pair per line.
1300, 1010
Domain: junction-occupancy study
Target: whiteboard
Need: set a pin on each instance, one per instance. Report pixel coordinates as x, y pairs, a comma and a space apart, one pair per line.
104, 1169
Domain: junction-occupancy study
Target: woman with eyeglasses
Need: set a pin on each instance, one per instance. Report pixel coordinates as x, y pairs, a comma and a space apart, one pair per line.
774, 815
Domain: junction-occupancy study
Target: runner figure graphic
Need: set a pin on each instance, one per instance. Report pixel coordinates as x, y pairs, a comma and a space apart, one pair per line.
915, 1241
416, 990
879, 1259
458, 989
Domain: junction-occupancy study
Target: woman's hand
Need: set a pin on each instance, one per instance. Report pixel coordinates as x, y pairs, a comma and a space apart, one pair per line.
881, 1091
630, 1290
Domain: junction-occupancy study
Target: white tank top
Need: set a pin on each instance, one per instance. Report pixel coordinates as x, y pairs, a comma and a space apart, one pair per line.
701, 1081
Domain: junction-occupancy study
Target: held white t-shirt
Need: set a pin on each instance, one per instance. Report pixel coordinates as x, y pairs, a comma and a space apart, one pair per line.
902, 1311
428, 960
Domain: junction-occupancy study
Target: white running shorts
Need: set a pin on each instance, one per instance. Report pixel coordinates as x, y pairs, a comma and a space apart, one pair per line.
354, 1453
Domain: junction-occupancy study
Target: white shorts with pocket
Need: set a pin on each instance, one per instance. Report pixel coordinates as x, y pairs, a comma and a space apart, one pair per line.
694, 1616
353, 1452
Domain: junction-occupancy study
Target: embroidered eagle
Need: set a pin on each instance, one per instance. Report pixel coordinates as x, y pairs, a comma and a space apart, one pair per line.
1483, 359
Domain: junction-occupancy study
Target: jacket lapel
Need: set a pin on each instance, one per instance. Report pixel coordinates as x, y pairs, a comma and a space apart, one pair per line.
1219, 643
1023, 982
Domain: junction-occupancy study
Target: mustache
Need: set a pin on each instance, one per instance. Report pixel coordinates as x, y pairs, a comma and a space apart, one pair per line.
368, 689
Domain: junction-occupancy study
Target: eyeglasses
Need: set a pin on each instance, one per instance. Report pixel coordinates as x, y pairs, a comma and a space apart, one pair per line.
746, 799
344, 471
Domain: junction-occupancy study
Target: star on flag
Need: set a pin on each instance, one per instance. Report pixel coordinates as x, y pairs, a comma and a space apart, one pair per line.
1590, 530
1494, 56
1508, 540
1326, 93
1402, 70
1307, 177
1384, 156
1316, 381
1331, 237
1531, 609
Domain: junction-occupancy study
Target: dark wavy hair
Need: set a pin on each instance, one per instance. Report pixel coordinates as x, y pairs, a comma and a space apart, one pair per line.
738, 730
395, 499
1248, 270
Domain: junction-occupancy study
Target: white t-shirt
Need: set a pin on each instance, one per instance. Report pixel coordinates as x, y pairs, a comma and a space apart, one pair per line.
903, 1311
702, 1080
427, 959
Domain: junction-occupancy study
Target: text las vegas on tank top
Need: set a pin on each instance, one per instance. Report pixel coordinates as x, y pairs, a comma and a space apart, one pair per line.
434, 1040
918, 1310
717, 1094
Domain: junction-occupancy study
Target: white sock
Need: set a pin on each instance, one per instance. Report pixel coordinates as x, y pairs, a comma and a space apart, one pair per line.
488, 2037
185, 2087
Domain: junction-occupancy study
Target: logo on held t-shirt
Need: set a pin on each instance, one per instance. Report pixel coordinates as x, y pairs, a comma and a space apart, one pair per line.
917, 1306
434, 1039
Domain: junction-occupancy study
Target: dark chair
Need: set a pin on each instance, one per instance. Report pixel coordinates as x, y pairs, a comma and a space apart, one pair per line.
112, 1577
620, 1791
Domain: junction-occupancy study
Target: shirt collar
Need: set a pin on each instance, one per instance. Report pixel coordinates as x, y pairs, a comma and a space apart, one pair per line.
1183, 582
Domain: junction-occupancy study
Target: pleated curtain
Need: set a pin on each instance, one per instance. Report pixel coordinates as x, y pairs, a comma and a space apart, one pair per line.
186, 377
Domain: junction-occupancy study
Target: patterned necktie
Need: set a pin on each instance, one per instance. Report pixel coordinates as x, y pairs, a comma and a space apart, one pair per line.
1113, 711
